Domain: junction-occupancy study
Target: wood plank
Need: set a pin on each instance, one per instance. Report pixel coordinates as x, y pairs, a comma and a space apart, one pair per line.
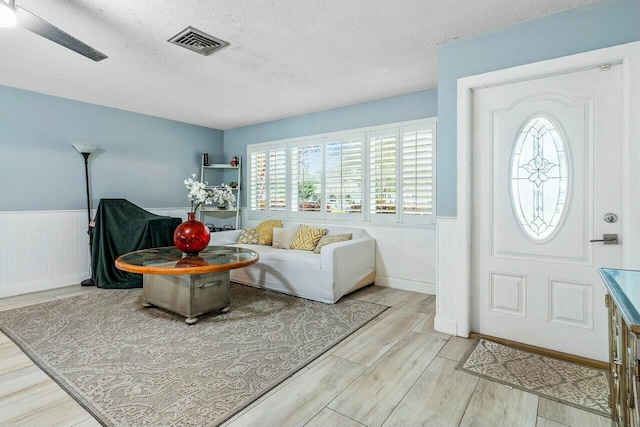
62, 412
4, 339
493, 404
456, 348
543, 422
569, 415
368, 347
372, 397
329, 418
12, 358
438, 398
369, 294
20, 379
301, 400
266, 396
422, 303
28, 400
359, 332
23, 301
398, 298
88, 422
72, 291
426, 327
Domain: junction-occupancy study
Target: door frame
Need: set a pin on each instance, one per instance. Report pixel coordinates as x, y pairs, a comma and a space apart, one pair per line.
453, 306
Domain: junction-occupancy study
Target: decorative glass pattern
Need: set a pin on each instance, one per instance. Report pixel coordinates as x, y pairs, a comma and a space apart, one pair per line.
539, 178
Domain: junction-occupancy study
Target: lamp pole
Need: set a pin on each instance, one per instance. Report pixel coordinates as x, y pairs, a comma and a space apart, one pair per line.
86, 151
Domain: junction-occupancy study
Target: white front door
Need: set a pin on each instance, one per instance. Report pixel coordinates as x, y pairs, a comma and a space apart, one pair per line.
546, 172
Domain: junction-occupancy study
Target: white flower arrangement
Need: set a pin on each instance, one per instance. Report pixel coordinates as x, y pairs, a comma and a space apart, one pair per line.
198, 193
223, 196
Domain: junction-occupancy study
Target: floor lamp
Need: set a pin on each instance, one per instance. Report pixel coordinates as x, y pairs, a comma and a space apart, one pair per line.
86, 151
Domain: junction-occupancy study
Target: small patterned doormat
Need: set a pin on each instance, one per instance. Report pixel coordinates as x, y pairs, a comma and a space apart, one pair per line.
565, 382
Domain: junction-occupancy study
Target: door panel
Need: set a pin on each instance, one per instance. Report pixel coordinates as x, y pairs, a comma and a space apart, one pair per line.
546, 162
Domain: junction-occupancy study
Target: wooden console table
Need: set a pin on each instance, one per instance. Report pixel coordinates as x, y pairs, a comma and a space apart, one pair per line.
623, 303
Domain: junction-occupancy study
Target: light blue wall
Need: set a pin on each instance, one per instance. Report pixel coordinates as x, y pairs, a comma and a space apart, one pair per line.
413, 106
602, 24
146, 159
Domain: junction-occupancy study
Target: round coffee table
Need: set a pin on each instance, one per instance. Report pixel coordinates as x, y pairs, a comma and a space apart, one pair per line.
187, 285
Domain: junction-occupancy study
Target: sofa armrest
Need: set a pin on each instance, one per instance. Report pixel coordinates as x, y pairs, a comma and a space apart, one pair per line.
222, 238
349, 259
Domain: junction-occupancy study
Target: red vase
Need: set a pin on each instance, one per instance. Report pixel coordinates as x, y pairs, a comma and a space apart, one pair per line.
191, 236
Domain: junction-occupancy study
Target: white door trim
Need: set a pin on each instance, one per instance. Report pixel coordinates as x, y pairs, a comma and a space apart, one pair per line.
454, 264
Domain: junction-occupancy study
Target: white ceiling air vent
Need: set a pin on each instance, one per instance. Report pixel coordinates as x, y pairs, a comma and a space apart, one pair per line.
198, 41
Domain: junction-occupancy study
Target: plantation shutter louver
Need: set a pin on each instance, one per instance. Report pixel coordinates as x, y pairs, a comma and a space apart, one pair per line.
306, 177
278, 179
343, 176
417, 170
258, 180
383, 164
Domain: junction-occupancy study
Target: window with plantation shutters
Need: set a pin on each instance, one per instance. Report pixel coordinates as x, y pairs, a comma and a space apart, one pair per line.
344, 175
267, 179
257, 180
278, 179
306, 177
378, 174
383, 172
417, 170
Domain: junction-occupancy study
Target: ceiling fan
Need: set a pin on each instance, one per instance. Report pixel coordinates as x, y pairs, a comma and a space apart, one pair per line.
10, 14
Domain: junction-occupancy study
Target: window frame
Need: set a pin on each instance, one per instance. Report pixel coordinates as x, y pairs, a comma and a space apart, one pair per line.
267, 212
365, 216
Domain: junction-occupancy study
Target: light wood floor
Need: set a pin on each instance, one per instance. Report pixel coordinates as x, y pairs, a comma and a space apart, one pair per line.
395, 371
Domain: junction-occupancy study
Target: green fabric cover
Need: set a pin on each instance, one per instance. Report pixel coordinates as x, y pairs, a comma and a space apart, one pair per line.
123, 227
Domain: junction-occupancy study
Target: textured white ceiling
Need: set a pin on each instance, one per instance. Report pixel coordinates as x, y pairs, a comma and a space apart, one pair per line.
286, 58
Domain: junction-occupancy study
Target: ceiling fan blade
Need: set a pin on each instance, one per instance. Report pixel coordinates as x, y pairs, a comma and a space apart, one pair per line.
49, 31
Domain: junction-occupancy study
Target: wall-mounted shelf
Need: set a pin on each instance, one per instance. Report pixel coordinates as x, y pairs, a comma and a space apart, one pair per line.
222, 217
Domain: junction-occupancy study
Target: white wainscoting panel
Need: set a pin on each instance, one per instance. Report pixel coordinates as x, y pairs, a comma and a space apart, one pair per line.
49, 249
405, 258
571, 303
508, 294
42, 250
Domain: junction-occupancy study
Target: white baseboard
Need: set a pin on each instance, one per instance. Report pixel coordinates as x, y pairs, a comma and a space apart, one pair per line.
446, 326
406, 285
44, 285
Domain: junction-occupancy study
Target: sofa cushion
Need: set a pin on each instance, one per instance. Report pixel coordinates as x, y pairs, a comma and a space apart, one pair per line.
327, 240
283, 237
249, 236
265, 230
307, 238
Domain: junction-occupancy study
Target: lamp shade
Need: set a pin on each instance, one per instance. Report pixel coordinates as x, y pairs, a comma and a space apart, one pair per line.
84, 148
7, 14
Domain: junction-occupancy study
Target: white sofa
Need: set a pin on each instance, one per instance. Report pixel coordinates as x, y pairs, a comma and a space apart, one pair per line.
339, 269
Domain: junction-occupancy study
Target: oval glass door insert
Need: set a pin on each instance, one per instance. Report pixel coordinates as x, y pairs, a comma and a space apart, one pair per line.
539, 178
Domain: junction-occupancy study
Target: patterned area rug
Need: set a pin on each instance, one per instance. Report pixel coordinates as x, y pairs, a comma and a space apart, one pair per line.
576, 385
134, 366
